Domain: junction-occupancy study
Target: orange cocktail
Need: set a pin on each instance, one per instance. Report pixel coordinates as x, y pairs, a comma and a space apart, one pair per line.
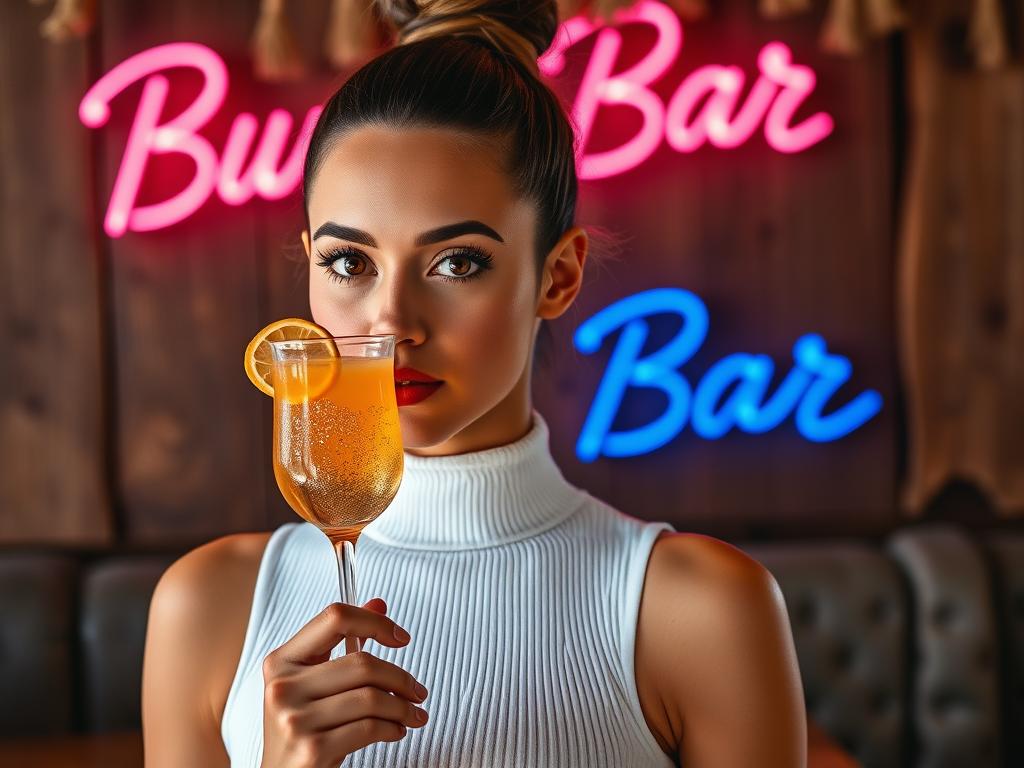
337, 444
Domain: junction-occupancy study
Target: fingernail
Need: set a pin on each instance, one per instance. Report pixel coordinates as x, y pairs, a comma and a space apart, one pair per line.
420, 691
401, 634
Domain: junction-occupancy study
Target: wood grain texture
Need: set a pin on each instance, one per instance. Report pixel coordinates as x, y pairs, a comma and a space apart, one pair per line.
961, 279
53, 485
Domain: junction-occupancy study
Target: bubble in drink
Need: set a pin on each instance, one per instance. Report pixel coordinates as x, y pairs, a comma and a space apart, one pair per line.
337, 453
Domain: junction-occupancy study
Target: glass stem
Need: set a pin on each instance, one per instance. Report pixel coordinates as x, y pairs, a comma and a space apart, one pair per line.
346, 554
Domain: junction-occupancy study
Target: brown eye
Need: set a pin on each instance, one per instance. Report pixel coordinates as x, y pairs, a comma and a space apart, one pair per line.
353, 265
463, 265
459, 265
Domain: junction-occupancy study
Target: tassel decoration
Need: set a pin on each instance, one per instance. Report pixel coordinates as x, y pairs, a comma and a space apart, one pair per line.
842, 30
604, 9
689, 10
987, 35
883, 16
353, 33
568, 8
777, 9
69, 19
275, 53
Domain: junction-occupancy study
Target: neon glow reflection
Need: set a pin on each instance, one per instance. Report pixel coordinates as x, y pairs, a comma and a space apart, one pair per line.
806, 389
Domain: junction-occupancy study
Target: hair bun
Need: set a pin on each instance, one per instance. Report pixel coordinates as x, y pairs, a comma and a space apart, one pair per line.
521, 28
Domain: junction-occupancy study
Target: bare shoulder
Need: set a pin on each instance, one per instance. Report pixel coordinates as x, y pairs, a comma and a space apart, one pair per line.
698, 562
197, 622
715, 656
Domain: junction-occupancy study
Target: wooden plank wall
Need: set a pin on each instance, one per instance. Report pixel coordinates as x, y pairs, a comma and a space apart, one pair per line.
153, 324
53, 387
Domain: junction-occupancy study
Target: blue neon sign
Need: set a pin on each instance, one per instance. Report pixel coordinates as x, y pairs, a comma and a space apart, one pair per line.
815, 377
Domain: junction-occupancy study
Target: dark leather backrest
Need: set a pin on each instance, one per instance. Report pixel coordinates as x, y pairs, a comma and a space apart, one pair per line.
77, 624
847, 605
1007, 552
956, 699
36, 644
116, 593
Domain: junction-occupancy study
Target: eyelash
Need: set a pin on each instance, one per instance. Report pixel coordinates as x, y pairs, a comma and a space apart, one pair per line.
478, 256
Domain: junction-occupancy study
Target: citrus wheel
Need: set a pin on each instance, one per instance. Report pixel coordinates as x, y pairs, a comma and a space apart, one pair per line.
259, 358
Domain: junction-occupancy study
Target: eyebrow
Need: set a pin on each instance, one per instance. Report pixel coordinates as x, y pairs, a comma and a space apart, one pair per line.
448, 231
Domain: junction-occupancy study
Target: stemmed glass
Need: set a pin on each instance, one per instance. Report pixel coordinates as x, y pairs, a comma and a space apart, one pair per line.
337, 444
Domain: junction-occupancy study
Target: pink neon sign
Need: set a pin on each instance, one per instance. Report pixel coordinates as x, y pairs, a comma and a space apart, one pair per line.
267, 175
774, 97
275, 170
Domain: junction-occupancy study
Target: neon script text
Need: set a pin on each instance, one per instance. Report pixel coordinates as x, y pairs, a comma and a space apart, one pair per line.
806, 389
722, 121
275, 168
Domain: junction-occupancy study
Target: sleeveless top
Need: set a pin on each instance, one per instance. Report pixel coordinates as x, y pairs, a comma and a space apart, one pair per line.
521, 593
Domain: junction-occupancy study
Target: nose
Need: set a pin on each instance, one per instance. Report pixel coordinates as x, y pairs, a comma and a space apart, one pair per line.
397, 310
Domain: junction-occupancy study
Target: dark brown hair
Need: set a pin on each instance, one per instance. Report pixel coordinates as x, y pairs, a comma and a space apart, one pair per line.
468, 65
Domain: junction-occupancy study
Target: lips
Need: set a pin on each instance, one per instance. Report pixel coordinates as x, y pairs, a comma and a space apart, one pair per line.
412, 386
412, 375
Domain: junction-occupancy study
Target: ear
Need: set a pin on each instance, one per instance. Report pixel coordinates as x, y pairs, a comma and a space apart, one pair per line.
562, 275
305, 241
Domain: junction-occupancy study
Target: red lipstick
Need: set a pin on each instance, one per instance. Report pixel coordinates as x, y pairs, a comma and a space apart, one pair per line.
412, 386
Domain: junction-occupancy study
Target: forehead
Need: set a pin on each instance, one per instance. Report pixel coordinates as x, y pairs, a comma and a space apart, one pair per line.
401, 181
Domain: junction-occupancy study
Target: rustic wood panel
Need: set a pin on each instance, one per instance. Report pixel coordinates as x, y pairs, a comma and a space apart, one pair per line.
961, 282
52, 441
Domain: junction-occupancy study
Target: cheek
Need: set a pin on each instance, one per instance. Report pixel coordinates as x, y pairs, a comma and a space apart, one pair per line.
328, 312
490, 338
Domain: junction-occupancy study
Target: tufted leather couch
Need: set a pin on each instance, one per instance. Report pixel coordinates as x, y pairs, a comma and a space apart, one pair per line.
911, 649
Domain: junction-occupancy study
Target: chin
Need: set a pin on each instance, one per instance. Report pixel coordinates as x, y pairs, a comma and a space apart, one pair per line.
425, 425
422, 428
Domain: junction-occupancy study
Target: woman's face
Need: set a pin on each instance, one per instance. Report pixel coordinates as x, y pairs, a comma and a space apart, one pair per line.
417, 233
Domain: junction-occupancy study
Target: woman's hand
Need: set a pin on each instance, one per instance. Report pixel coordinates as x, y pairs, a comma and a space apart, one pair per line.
316, 711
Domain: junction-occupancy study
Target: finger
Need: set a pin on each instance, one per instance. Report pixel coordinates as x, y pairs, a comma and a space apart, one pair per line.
346, 739
355, 670
376, 604
358, 704
313, 643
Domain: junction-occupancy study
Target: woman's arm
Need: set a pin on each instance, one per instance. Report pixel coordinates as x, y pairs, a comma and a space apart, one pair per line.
718, 640
197, 621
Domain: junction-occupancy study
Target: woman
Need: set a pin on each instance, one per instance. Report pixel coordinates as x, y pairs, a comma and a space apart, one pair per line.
549, 628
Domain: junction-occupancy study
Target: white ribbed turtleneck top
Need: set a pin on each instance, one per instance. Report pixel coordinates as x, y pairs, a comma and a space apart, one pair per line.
521, 593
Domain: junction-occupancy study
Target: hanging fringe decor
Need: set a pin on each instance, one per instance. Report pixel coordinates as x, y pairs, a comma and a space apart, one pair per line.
275, 53
777, 9
842, 32
353, 33
69, 18
883, 16
847, 22
603, 9
568, 8
689, 10
987, 35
